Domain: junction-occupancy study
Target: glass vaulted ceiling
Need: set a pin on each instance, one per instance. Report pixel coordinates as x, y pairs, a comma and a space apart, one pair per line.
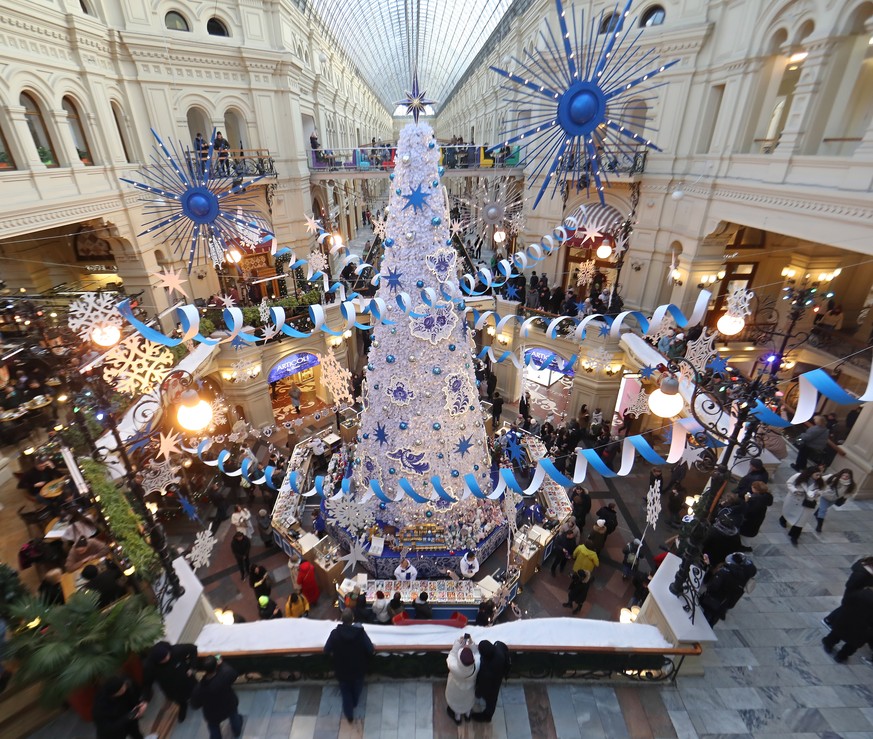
387, 39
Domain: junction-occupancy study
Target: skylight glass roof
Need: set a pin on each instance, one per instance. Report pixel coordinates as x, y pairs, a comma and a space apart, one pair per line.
386, 39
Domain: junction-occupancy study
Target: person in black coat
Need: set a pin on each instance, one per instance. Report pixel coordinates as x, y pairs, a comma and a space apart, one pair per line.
608, 514
351, 650
171, 667
861, 576
241, 545
581, 502
493, 668
215, 695
756, 473
851, 623
757, 501
577, 592
726, 586
496, 409
118, 708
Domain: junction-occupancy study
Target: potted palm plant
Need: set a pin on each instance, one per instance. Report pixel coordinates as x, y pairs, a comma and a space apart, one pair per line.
70, 648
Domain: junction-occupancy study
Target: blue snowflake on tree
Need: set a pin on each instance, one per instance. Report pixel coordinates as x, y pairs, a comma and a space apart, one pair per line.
381, 434
464, 445
604, 330
577, 113
514, 449
416, 199
393, 280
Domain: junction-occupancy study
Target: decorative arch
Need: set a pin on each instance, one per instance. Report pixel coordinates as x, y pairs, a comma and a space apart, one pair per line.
235, 127
198, 122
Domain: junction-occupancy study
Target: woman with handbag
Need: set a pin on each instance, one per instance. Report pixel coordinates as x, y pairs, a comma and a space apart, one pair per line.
804, 491
837, 489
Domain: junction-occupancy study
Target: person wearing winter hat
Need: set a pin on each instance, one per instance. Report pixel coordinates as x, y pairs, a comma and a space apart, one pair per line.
630, 558
351, 650
267, 608
172, 667
118, 709
463, 664
598, 535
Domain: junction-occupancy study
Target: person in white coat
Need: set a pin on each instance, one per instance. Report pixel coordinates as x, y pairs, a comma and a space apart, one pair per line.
838, 488
801, 500
463, 664
242, 521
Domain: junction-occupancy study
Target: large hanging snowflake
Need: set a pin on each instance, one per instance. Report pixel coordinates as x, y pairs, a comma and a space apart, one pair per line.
357, 554
435, 324
158, 476
201, 552
92, 310
492, 205
653, 504
379, 227
639, 405
219, 412
264, 312
336, 378
137, 365
585, 272
349, 514
699, 353
738, 302
575, 102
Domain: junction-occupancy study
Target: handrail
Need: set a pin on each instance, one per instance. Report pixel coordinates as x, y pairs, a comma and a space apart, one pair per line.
381, 157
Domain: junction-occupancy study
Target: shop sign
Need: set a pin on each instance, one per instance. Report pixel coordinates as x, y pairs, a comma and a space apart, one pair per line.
291, 365
543, 359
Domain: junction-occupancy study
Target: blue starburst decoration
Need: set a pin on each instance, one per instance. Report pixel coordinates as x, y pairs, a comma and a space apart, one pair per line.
197, 206
381, 434
511, 292
718, 365
415, 100
577, 113
464, 445
188, 509
393, 279
416, 199
646, 372
580, 307
604, 330
514, 449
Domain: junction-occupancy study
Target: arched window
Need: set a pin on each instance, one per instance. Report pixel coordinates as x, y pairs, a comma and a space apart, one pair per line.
176, 21
38, 131
610, 23
84, 6
77, 131
6, 160
215, 27
119, 126
653, 16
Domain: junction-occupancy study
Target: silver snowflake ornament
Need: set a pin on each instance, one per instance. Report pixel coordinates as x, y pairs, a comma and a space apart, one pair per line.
349, 514
585, 272
264, 311
336, 378
158, 476
379, 227
92, 310
699, 353
598, 359
201, 553
667, 324
653, 504
639, 405
317, 261
738, 302
136, 366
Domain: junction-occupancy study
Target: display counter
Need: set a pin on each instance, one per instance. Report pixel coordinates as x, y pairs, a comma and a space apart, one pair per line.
527, 554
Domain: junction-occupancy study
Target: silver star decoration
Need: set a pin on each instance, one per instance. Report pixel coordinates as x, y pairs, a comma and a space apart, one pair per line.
415, 100
357, 555
312, 225
589, 233
227, 301
169, 445
690, 454
456, 227
620, 246
270, 331
170, 280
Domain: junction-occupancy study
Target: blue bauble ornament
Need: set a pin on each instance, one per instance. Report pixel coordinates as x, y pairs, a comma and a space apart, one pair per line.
431, 144
448, 242
382, 506
455, 473
439, 455
437, 371
391, 176
371, 366
429, 514
404, 425
436, 221
398, 191
437, 426
441, 170
419, 283
476, 467
366, 436
390, 359
389, 242
435, 183
376, 385
392, 471
452, 347
478, 383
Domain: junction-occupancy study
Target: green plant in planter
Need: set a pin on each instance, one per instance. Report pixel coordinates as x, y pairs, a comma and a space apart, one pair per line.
75, 645
125, 525
11, 589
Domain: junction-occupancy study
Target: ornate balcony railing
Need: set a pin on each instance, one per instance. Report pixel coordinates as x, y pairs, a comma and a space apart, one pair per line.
240, 162
368, 159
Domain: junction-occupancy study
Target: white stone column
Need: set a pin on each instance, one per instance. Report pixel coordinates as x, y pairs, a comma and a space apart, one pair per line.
857, 447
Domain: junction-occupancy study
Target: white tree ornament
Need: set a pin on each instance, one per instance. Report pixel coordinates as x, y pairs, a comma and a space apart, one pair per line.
219, 412
586, 272
639, 405
738, 302
653, 504
201, 552
379, 227
456, 227
699, 353
317, 261
264, 311
136, 366
336, 378
92, 310
158, 476
436, 322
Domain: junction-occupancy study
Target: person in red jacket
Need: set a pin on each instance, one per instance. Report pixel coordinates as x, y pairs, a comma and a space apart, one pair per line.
307, 583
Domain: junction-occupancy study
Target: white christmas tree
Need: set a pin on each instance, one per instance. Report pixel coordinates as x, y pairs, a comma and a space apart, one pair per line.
422, 417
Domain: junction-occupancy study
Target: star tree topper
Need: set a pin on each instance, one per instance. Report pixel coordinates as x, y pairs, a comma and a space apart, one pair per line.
416, 100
